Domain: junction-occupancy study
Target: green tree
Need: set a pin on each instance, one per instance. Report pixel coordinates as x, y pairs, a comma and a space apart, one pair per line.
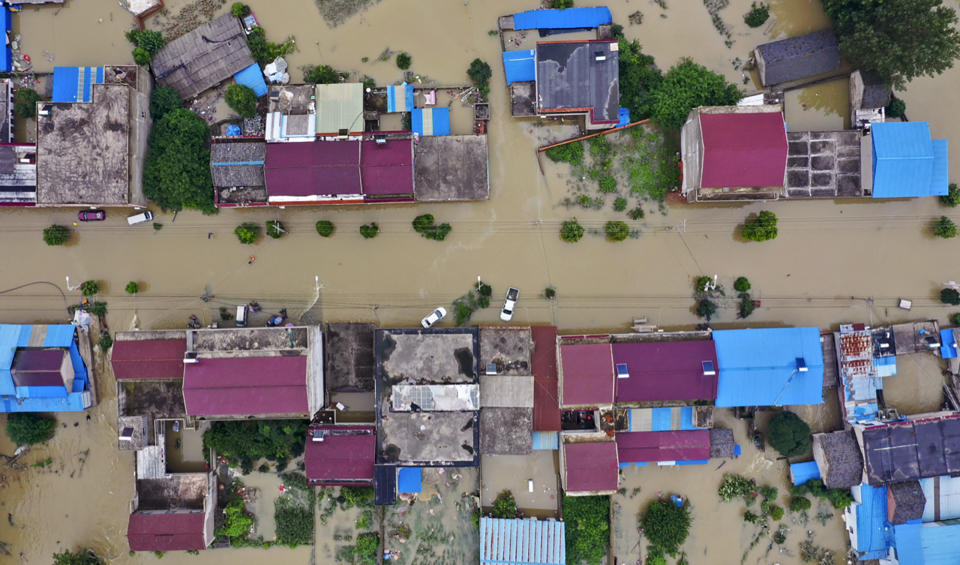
56, 235
404, 60
945, 228
89, 288
240, 10
899, 39
505, 506
368, 544
176, 173
896, 108
29, 428
789, 434
25, 103
760, 227
247, 441
742, 284
616, 230
141, 56
480, 73
620, 204
666, 525
237, 521
80, 557
706, 308
952, 197
369, 231
276, 229
561, 4
587, 520
242, 99
950, 296
320, 74
146, 44
263, 51
568, 152
571, 231
686, 86
132, 287
608, 183
758, 14
639, 79
776, 512
746, 306
955, 319
799, 504
164, 99
247, 232
325, 228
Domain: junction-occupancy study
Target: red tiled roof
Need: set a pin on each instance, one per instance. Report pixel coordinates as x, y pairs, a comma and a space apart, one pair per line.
339, 458
591, 467
690, 445
148, 359
166, 531
546, 402
246, 386
587, 374
743, 149
387, 168
666, 371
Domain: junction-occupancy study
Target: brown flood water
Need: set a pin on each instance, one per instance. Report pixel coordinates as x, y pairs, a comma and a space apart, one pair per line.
830, 257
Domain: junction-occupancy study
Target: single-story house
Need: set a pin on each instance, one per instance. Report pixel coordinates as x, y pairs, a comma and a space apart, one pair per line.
907, 162
799, 57
42, 369
340, 455
665, 371
589, 468
586, 375
580, 78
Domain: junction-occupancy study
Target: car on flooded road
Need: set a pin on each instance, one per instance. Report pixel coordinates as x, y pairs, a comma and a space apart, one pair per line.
433, 317
509, 304
92, 215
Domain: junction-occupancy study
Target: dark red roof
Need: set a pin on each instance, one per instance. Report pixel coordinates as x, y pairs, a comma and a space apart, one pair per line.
666, 371
591, 467
743, 149
166, 531
342, 457
148, 359
38, 367
546, 402
693, 445
246, 386
587, 374
322, 168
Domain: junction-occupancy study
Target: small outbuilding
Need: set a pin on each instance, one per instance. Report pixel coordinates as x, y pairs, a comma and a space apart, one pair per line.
905, 502
579, 78
589, 468
522, 542
340, 455
797, 58
838, 457
586, 375
907, 162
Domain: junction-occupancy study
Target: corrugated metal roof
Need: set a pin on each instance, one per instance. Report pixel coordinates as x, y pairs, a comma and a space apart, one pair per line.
663, 446
75, 84
339, 106
759, 367
590, 467
522, 542
166, 531
666, 371
587, 374
431, 121
346, 454
874, 536
520, 66
399, 98
907, 162
546, 440
743, 149
546, 403
579, 76
572, 18
927, 544
246, 386
946, 506
910, 450
148, 359
660, 419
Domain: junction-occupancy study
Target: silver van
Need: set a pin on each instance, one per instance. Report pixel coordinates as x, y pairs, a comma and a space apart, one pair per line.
140, 218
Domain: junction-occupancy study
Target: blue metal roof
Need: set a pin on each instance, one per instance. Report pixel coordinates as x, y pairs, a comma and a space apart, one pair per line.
409, 479
520, 65
906, 162
759, 367
522, 542
934, 543
546, 440
803, 472
6, 24
43, 398
399, 98
253, 78
874, 535
431, 121
75, 84
572, 18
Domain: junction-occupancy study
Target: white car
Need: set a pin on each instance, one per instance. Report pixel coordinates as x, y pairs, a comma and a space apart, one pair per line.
433, 317
509, 304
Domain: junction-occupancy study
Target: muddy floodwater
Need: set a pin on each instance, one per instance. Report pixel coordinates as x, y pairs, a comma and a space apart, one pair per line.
833, 262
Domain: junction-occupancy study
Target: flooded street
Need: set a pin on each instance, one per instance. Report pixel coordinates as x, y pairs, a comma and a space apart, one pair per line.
833, 262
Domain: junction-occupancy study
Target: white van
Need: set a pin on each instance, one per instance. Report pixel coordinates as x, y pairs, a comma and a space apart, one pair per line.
140, 218
242, 316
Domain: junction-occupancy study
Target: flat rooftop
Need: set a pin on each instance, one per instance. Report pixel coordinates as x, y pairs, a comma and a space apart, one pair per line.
511, 472
83, 150
254, 342
154, 399
506, 431
523, 99
451, 168
510, 349
579, 76
349, 360
293, 99
426, 356
181, 491
823, 164
427, 438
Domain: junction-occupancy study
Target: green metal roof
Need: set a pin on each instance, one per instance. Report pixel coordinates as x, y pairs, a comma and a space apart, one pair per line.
339, 106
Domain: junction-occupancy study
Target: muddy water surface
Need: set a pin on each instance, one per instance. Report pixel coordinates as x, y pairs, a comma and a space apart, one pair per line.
833, 261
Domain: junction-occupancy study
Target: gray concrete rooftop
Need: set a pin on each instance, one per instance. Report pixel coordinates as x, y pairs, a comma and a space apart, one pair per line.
823, 164
181, 491
451, 168
429, 438
426, 357
523, 98
241, 342
506, 431
154, 399
349, 359
508, 348
293, 99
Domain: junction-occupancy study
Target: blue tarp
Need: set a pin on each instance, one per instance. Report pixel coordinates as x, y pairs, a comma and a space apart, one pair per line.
935, 543
252, 77
759, 367
948, 347
431, 121
874, 535
907, 162
409, 479
803, 472
400, 98
662, 419
624, 117
520, 66
75, 84
6, 24
546, 440
572, 18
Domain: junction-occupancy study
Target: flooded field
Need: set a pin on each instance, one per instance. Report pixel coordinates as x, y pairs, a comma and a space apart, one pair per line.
833, 261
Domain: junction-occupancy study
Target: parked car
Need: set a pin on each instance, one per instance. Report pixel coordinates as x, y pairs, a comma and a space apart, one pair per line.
509, 304
140, 218
91, 215
242, 316
433, 317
